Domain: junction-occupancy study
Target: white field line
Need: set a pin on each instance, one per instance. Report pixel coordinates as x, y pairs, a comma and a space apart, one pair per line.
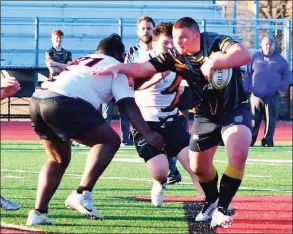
78, 176
249, 161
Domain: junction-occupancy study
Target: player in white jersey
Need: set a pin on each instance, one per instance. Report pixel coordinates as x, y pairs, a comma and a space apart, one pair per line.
68, 110
141, 53
157, 101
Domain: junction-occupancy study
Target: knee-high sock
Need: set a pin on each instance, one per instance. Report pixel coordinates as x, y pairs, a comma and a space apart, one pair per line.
209, 185
229, 184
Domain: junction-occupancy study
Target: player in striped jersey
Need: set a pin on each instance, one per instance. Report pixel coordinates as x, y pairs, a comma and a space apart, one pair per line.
161, 113
141, 53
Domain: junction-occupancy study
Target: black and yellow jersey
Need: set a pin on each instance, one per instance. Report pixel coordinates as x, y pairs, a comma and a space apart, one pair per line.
63, 56
207, 101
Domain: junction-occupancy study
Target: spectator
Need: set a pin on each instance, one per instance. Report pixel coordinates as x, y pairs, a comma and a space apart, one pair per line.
267, 77
9, 86
57, 58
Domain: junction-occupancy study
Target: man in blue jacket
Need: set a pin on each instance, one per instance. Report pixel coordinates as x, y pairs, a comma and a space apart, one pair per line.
267, 78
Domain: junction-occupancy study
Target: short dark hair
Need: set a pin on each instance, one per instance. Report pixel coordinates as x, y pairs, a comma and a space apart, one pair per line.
112, 46
57, 32
164, 28
147, 19
186, 22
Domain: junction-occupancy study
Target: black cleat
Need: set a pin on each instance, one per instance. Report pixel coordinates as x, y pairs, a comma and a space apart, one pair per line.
174, 178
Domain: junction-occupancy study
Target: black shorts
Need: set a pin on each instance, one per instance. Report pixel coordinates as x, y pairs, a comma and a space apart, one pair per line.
57, 117
206, 131
186, 99
174, 133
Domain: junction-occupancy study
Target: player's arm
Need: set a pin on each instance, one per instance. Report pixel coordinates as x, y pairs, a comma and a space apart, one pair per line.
236, 56
59, 65
150, 82
123, 93
161, 63
135, 70
128, 107
234, 53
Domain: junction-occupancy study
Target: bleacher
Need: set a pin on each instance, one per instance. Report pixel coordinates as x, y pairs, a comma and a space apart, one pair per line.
84, 24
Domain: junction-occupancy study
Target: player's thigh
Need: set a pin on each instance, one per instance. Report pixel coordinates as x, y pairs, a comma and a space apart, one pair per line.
204, 141
237, 139
39, 125
143, 148
176, 136
77, 119
237, 134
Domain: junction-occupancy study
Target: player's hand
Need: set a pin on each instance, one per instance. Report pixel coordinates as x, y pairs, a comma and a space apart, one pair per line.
164, 74
11, 89
114, 70
8, 82
281, 93
156, 140
181, 90
207, 69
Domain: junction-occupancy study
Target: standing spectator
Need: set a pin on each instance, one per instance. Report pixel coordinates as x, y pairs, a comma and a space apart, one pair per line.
145, 26
267, 78
141, 53
57, 58
9, 86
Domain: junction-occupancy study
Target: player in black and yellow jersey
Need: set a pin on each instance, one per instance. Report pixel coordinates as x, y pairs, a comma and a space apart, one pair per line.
218, 112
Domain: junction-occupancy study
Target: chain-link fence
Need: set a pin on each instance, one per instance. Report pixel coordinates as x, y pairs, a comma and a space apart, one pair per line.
250, 32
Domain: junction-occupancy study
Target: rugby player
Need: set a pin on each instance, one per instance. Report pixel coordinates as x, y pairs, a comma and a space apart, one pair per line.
68, 110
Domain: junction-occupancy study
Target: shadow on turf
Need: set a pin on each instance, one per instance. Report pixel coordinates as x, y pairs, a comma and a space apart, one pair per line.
191, 210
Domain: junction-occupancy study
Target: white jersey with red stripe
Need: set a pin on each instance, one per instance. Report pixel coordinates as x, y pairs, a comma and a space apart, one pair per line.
160, 100
77, 81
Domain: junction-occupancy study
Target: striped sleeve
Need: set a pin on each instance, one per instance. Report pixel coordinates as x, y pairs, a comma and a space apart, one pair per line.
129, 58
224, 42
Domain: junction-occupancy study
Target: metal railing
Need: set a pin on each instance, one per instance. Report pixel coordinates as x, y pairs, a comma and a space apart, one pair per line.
26, 39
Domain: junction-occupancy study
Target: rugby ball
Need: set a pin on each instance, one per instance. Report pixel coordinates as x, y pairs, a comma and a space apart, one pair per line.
221, 77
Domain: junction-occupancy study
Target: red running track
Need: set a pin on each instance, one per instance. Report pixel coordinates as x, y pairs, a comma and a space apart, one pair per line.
22, 131
254, 214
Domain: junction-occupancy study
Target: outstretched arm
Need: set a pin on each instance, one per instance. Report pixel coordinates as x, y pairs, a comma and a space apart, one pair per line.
135, 70
150, 82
